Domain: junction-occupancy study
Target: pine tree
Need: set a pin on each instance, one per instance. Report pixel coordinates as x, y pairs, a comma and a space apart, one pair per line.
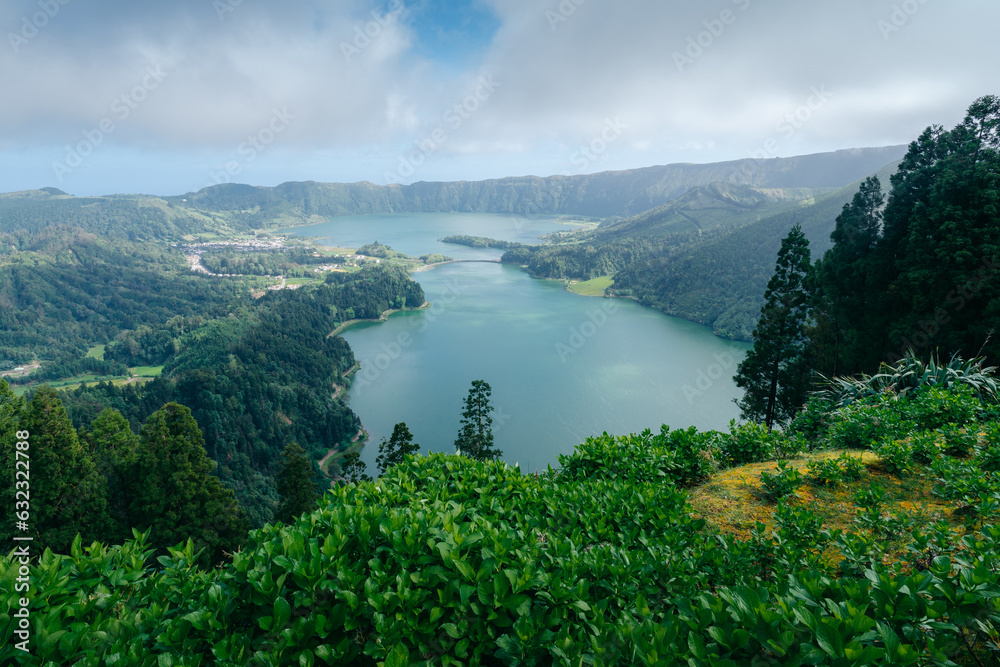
11, 412
68, 493
940, 247
296, 484
774, 372
841, 338
395, 450
112, 444
353, 469
175, 492
475, 437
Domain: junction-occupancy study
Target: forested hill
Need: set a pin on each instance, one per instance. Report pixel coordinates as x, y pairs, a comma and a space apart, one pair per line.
719, 281
615, 193
134, 217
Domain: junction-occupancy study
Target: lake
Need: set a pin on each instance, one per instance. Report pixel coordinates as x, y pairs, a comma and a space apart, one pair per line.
562, 366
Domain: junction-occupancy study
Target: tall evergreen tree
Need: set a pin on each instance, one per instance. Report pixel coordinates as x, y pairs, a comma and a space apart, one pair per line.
112, 444
940, 247
475, 437
353, 469
175, 492
296, 484
774, 371
842, 284
11, 409
400, 444
68, 495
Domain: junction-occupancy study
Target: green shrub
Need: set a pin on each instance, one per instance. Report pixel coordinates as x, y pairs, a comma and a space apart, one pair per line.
934, 407
988, 452
852, 467
959, 441
747, 443
926, 447
683, 457
895, 457
825, 472
783, 482
812, 421
800, 526
862, 424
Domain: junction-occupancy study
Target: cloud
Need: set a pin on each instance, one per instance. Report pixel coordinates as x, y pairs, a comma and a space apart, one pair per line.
366, 81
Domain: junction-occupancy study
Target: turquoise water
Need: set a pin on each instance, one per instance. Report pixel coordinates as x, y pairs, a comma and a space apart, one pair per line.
562, 367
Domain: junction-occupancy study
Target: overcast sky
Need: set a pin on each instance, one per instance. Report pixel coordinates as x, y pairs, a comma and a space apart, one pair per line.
108, 96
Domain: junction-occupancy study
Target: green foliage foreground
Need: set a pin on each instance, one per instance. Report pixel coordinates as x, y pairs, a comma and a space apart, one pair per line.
451, 561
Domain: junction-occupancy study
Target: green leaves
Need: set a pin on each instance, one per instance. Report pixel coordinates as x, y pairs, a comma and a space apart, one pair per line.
450, 561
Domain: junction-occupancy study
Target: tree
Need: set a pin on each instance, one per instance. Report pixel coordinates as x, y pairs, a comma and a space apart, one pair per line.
395, 450
112, 444
11, 410
941, 241
295, 483
175, 492
774, 370
353, 469
475, 437
68, 495
841, 338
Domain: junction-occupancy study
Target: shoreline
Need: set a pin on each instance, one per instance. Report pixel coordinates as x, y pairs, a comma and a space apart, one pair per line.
357, 443
381, 318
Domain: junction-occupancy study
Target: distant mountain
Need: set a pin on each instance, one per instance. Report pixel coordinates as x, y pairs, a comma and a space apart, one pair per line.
613, 193
708, 208
236, 208
720, 281
135, 217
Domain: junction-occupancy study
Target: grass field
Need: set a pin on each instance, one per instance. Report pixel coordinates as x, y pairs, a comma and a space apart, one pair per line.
96, 352
593, 287
73, 382
139, 374
733, 500
146, 371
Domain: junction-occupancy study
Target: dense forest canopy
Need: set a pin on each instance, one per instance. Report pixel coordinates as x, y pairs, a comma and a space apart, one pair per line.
259, 378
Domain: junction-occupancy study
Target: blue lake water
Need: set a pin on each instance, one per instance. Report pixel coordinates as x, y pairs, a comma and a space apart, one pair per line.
562, 366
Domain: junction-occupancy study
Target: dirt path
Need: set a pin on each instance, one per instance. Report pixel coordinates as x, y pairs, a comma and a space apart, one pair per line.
357, 438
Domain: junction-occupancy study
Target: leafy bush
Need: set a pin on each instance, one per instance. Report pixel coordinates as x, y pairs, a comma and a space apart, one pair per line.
988, 453
933, 407
925, 447
812, 421
862, 424
895, 457
851, 467
825, 472
683, 457
747, 443
783, 482
799, 526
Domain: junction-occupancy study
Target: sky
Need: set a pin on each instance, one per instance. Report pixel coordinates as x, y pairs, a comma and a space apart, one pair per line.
117, 96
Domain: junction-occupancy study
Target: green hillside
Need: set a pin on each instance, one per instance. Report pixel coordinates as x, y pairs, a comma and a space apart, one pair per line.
602, 561
719, 281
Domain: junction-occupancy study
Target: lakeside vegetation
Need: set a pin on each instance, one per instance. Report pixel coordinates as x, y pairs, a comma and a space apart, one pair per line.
479, 242
593, 287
